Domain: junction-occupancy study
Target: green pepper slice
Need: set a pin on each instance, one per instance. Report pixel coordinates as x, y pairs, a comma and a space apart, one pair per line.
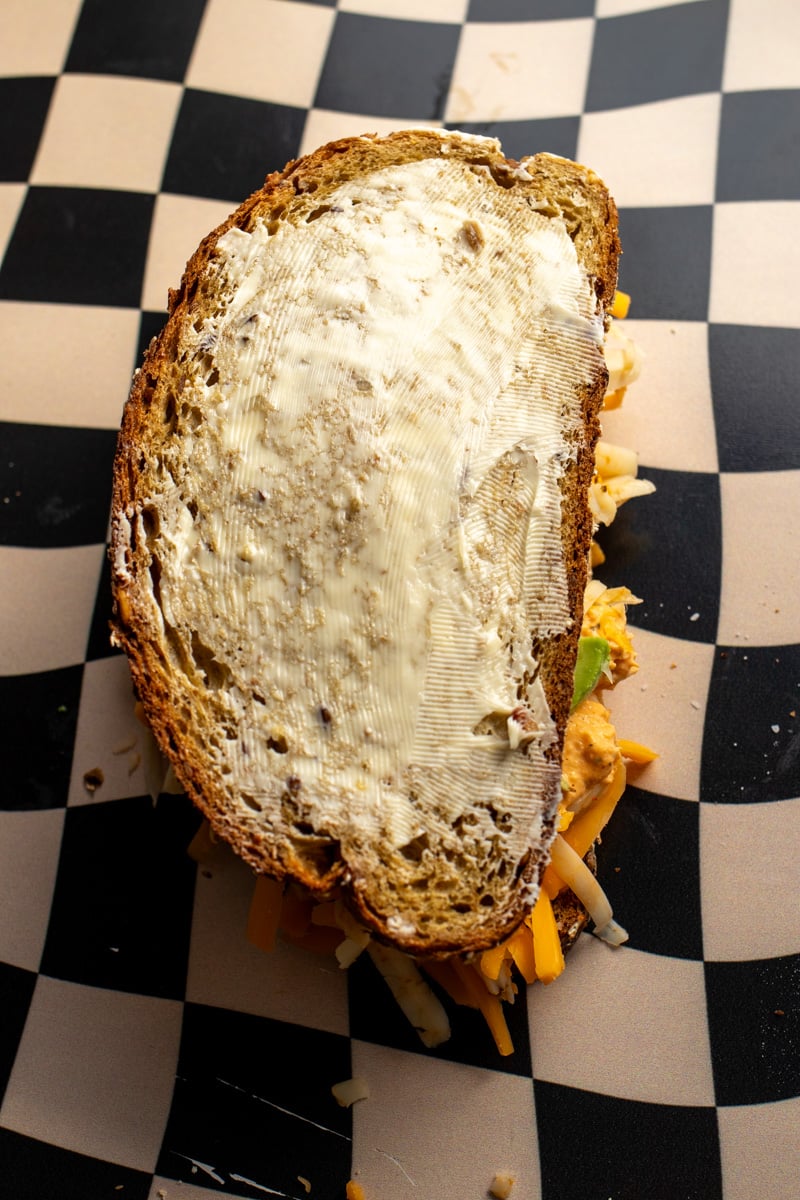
593, 657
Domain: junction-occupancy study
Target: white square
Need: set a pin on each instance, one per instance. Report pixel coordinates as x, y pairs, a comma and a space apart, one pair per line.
760, 1150
11, 197
45, 378
755, 263
760, 558
179, 225
265, 49
642, 1032
324, 125
95, 1071
755, 843
506, 72
762, 45
444, 11
655, 154
46, 605
131, 124
111, 738
663, 706
29, 847
468, 1123
667, 416
36, 36
226, 970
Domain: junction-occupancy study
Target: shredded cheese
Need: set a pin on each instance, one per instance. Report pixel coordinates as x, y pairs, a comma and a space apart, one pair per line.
620, 305
547, 953
265, 913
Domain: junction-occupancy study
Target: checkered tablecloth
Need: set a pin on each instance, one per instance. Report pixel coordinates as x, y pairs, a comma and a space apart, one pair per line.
146, 1049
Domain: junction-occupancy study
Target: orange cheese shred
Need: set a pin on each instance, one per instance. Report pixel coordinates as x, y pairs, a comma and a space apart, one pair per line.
589, 824
620, 306
547, 952
636, 752
265, 912
449, 981
492, 960
354, 1191
295, 913
490, 1006
552, 883
520, 946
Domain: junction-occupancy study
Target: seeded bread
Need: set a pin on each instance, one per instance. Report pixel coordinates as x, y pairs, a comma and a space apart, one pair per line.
350, 524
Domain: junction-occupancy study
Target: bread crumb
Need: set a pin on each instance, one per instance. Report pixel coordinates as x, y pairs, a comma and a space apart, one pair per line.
305, 1182
501, 1185
93, 779
349, 1091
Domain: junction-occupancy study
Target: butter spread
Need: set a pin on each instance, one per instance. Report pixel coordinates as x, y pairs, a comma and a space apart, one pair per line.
389, 391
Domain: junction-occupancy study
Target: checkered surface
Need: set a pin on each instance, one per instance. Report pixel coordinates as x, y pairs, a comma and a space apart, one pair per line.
147, 1050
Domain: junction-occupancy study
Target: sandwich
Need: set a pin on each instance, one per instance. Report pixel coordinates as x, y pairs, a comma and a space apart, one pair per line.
355, 493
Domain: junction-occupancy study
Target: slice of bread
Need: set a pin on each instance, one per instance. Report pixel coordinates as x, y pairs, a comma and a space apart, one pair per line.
350, 522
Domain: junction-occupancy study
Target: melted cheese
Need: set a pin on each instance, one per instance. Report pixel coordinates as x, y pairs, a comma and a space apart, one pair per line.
387, 390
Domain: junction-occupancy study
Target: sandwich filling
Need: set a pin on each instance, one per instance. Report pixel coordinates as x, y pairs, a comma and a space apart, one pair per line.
375, 521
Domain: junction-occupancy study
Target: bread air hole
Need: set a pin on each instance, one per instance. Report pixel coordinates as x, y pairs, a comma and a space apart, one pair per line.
216, 674
278, 743
250, 801
413, 850
320, 853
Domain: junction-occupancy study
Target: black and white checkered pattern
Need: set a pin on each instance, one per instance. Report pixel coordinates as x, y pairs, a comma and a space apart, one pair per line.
146, 1049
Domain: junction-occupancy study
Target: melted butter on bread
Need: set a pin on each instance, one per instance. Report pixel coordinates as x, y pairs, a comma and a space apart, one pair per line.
391, 392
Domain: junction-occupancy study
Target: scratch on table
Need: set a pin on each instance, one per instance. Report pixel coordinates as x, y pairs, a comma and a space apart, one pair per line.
397, 1163
200, 1166
287, 1111
252, 1183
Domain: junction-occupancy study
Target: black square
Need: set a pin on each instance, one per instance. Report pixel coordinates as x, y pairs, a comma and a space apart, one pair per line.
759, 146
78, 246
556, 135
58, 483
528, 10
150, 326
649, 866
37, 732
754, 1027
122, 904
667, 548
223, 146
99, 643
677, 50
253, 1099
24, 103
16, 989
624, 1149
666, 261
744, 760
754, 386
148, 38
388, 68
376, 1017
34, 1170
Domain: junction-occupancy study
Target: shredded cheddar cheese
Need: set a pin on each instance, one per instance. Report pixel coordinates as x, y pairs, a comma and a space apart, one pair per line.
620, 305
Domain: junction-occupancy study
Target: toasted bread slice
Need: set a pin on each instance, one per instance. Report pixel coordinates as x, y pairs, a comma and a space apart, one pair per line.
350, 522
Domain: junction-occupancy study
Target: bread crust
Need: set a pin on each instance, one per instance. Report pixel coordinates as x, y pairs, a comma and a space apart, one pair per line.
564, 191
